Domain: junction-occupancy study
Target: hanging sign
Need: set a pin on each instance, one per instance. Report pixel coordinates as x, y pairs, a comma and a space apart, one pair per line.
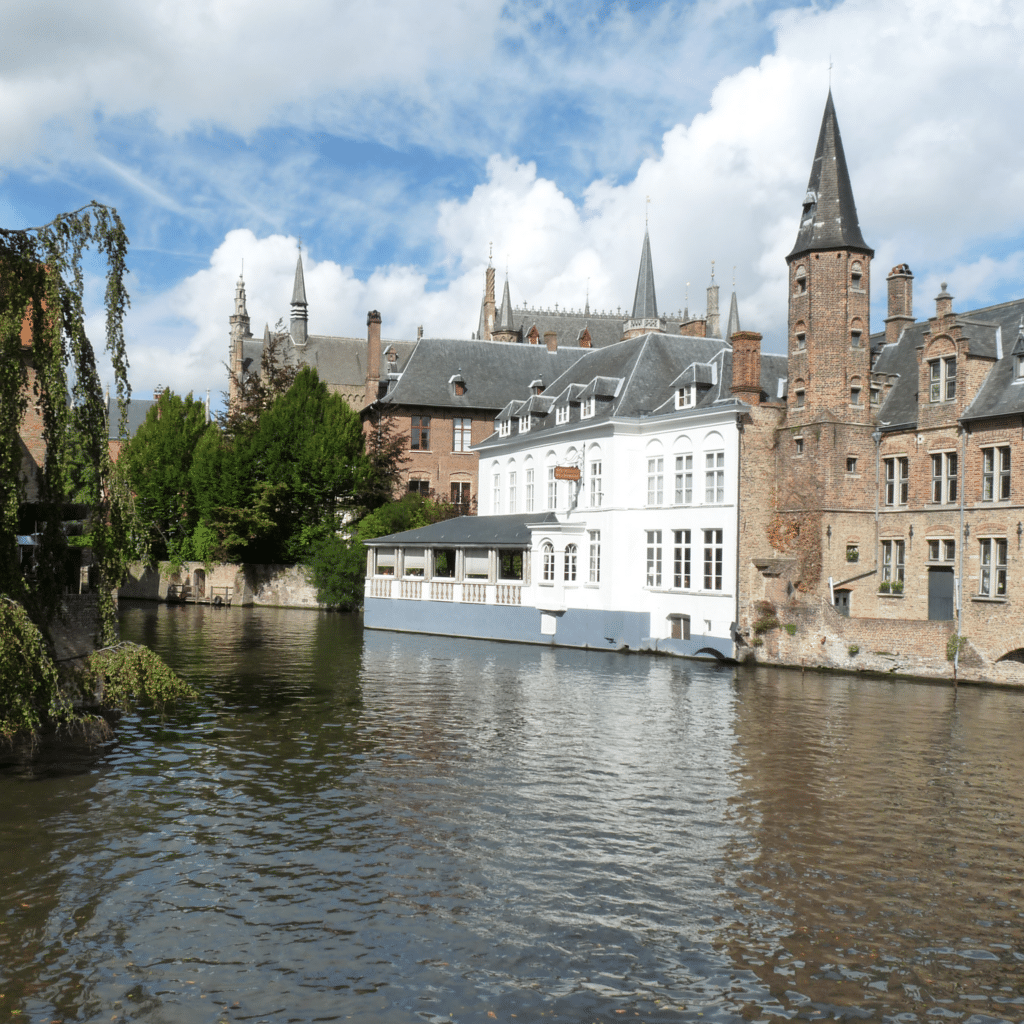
567, 472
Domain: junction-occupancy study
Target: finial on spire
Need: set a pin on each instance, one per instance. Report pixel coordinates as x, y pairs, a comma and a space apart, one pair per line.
712, 270
647, 213
490, 252
734, 277
830, 72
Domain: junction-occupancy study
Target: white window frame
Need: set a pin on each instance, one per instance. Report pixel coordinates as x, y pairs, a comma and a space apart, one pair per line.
942, 379
462, 433
654, 558
944, 477
714, 558
714, 478
681, 564
686, 396
530, 490
897, 480
656, 480
562, 414
511, 491
684, 479
505, 428
524, 424
995, 469
570, 563
992, 563
894, 561
595, 555
547, 552
496, 494
587, 408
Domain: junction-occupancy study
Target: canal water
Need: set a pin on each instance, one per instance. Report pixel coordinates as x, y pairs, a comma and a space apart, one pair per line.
369, 826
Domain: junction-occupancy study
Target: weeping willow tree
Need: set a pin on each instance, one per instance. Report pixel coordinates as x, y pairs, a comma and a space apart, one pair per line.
47, 359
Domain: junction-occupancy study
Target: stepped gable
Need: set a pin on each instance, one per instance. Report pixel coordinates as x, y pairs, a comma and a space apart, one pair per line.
829, 219
493, 371
991, 331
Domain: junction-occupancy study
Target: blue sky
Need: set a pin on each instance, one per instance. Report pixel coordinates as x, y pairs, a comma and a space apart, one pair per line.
398, 140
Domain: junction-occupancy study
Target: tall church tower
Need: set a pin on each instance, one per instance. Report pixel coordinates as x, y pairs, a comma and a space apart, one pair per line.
240, 330
829, 294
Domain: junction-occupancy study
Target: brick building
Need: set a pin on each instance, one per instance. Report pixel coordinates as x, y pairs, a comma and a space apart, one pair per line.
886, 486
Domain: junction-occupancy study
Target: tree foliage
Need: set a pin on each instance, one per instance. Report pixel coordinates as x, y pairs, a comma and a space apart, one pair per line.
158, 461
255, 393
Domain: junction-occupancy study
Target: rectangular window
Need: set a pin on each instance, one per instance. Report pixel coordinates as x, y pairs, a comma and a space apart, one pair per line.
992, 578
855, 395
529, 490
460, 496
799, 397
684, 479
686, 396
714, 478
942, 379
419, 487
712, 559
419, 439
655, 481
941, 550
681, 560
855, 337
596, 491
595, 555
897, 481
562, 414
512, 492
524, 424
552, 488
798, 445
995, 474
851, 464
892, 560
944, 467
801, 341
654, 558
462, 433
504, 428
587, 408
876, 394
496, 494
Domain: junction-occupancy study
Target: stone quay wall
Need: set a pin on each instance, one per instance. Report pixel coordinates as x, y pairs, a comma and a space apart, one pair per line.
280, 586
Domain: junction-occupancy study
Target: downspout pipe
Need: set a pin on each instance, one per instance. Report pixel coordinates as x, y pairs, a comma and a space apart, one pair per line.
964, 430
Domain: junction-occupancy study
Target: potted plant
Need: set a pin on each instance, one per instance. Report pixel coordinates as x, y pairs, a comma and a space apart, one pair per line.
852, 554
897, 586
884, 587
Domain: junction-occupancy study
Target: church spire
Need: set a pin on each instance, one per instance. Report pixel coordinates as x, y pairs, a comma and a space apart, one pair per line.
505, 313
645, 303
734, 318
829, 218
299, 307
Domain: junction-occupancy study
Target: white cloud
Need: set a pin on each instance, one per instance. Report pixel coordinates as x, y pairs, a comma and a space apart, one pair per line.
926, 94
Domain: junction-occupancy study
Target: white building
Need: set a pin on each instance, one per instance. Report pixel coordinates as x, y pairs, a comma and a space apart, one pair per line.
608, 512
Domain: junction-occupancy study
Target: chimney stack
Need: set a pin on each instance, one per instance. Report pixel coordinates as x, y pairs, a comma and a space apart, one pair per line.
372, 356
551, 340
901, 302
746, 367
943, 303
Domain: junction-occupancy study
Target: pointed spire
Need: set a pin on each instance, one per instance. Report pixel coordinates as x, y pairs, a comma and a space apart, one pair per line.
829, 218
240, 309
734, 318
266, 335
645, 303
586, 308
505, 313
299, 288
299, 311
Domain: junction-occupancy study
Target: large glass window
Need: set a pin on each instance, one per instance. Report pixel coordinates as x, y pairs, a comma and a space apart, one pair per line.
512, 491
681, 559
496, 495
942, 379
995, 474
595, 556
714, 478
897, 481
510, 564
462, 434
460, 496
419, 439
712, 559
944, 476
548, 552
569, 565
684, 479
655, 481
529, 490
893, 561
552, 488
992, 578
596, 485
654, 558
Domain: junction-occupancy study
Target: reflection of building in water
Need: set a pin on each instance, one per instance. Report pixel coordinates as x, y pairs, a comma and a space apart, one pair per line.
883, 818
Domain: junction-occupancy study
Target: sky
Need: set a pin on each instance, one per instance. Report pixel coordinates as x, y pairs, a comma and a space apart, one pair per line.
400, 142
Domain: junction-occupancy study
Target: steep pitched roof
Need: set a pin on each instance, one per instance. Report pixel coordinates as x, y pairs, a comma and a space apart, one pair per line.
829, 218
299, 288
505, 322
493, 371
734, 319
645, 302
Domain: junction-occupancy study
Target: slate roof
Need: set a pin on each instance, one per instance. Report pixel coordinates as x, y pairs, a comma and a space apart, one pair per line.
505, 318
645, 302
829, 218
299, 287
992, 332
493, 371
138, 408
469, 531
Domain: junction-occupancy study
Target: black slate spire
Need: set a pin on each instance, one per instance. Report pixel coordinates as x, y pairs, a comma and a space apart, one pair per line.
299, 288
505, 313
829, 218
645, 303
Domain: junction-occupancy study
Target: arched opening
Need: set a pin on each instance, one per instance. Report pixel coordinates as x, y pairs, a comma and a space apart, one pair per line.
1015, 655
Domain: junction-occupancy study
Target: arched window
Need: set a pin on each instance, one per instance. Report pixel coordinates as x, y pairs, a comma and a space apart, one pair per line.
548, 551
570, 563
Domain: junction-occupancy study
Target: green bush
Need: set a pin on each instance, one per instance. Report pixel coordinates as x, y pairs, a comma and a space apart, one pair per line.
853, 650
337, 569
790, 628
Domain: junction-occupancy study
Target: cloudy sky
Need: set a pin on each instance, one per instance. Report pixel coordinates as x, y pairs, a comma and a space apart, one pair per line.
397, 140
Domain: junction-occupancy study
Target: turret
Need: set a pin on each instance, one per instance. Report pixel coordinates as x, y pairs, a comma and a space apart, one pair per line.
829, 299
504, 329
240, 330
645, 317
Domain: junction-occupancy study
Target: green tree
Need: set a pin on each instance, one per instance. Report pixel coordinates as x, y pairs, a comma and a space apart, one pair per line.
158, 462
255, 393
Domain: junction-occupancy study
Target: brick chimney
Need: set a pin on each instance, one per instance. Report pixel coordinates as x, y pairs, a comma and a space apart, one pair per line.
901, 302
746, 366
943, 303
551, 340
372, 356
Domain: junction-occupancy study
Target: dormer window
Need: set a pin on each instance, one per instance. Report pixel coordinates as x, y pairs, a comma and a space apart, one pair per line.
1019, 367
942, 379
524, 424
458, 384
504, 428
686, 397
856, 272
562, 414
588, 407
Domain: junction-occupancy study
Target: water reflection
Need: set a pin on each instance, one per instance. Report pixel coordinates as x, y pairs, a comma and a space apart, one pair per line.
385, 827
